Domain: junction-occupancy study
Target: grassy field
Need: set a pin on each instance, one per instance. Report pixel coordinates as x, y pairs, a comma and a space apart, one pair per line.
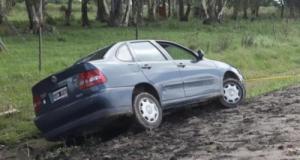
260, 49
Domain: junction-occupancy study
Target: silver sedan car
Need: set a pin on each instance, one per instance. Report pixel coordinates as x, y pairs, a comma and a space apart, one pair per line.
140, 78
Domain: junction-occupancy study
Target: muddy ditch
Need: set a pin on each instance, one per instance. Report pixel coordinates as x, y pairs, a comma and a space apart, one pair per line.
266, 127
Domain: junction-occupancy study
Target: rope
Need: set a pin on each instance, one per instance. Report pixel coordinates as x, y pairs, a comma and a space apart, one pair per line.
272, 78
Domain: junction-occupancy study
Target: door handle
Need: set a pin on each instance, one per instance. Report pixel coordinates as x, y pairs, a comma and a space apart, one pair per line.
181, 65
146, 66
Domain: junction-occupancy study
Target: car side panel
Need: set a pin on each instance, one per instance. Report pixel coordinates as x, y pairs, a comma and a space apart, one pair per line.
166, 78
200, 78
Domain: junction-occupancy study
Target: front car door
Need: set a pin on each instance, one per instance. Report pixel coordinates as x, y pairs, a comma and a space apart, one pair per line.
160, 71
201, 78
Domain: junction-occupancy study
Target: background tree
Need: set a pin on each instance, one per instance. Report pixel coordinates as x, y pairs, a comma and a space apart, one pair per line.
5, 7
152, 10
137, 12
184, 14
102, 11
36, 10
120, 12
68, 13
85, 22
214, 10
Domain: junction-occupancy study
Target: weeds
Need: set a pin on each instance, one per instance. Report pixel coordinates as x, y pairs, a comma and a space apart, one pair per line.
248, 40
223, 43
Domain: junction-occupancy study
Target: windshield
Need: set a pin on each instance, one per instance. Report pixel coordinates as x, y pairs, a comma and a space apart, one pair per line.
99, 54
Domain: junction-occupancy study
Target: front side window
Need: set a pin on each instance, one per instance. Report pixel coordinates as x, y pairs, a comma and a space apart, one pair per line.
178, 53
123, 54
145, 51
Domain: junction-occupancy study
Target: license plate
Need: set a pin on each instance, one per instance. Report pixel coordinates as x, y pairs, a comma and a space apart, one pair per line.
60, 94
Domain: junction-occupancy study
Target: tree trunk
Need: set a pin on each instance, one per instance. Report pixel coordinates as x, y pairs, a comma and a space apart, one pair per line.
102, 11
152, 8
137, 12
163, 9
222, 5
255, 9
36, 11
188, 11
236, 9
282, 8
245, 9
29, 8
116, 13
291, 5
68, 13
1, 12
181, 10
169, 8
214, 10
126, 15
84, 13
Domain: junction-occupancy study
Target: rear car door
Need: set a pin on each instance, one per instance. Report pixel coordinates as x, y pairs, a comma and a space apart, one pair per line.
201, 78
158, 70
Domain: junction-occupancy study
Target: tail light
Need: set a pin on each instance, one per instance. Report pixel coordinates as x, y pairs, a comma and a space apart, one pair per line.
37, 102
91, 78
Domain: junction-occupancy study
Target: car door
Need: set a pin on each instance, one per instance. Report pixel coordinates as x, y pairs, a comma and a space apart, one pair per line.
161, 72
200, 78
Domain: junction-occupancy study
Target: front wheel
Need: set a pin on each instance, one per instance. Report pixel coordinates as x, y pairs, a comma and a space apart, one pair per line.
233, 93
147, 110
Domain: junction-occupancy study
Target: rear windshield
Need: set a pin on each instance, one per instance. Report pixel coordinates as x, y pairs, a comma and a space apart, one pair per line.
97, 55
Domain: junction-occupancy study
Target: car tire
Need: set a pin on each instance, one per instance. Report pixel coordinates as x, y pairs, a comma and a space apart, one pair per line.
234, 93
147, 110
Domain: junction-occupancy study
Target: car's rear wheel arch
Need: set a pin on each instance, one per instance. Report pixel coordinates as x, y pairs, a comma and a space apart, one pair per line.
230, 74
145, 87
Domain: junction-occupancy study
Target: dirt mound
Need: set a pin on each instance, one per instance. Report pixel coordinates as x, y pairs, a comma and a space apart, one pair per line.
265, 128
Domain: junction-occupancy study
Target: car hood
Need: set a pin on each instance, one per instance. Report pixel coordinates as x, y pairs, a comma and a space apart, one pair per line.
219, 64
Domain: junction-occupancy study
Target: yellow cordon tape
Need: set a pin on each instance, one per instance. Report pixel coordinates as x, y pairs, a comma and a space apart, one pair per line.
272, 78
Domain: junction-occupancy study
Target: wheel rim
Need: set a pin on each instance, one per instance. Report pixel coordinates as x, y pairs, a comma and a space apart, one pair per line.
232, 93
148, 110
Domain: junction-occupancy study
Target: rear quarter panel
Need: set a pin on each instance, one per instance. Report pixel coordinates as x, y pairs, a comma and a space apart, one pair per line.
121, 79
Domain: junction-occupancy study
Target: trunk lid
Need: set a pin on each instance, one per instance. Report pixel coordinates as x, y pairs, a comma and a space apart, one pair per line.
59, 89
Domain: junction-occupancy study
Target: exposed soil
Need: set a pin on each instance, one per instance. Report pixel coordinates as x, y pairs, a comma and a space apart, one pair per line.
267, 127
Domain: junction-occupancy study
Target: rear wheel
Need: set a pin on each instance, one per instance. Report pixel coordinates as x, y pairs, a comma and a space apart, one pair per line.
147, 110
233, 93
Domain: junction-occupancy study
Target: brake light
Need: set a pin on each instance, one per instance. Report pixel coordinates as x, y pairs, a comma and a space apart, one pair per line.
37, 102
91, 78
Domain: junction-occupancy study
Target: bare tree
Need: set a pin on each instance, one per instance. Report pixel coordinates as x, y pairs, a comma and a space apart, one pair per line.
214, 10
255, 6
84, 13
36, 14
120, 12
184, 15
137, 12
68, 13
245, 5
102, 11
5, 7
152, 10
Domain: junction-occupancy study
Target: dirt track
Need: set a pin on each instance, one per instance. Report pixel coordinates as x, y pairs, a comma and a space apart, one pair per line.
268, 127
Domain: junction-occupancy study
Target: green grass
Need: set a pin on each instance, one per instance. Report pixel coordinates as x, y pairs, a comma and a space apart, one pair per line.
272, 50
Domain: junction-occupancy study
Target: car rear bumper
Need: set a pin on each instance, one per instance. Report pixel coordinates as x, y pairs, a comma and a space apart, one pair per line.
84, 112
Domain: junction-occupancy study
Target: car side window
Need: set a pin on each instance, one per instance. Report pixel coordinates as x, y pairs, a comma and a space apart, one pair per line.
123, 54
145, 51
178, 53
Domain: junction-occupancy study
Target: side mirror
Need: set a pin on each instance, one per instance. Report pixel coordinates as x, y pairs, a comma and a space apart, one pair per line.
200, 55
